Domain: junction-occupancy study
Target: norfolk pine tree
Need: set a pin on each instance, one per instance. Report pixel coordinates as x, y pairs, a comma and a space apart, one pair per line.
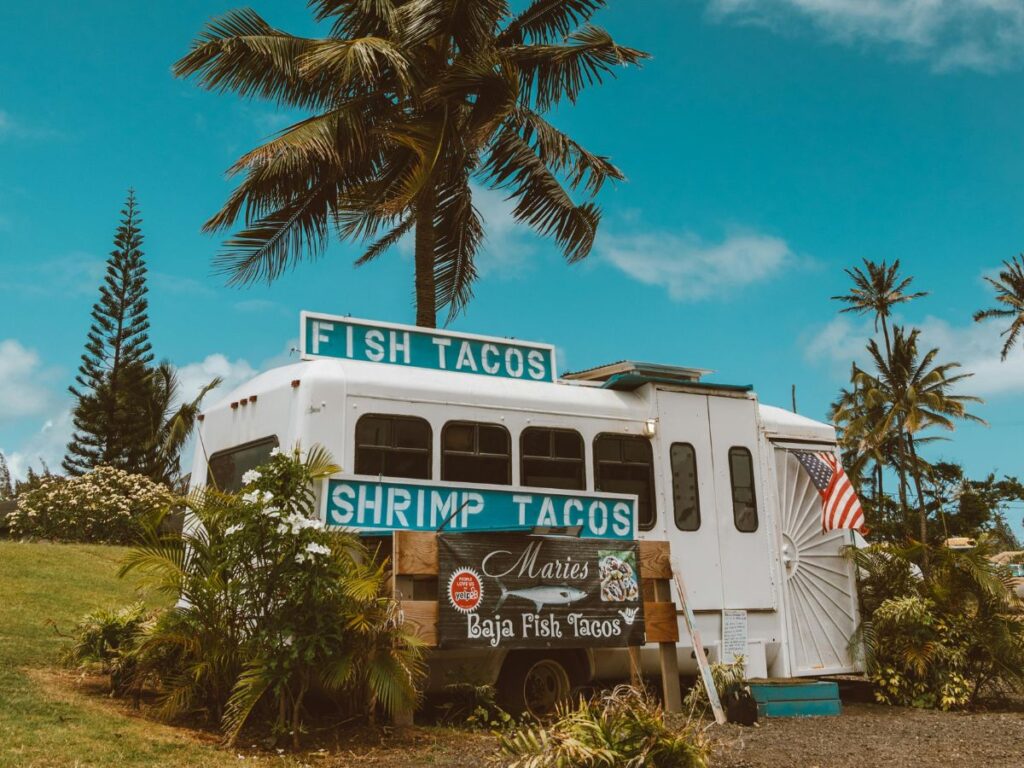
112, 385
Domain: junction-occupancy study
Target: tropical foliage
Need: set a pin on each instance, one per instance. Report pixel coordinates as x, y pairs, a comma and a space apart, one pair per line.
894, 402
104, 641
272, 607
941, 642
107, 505
623, 728
411, 102
1009, 287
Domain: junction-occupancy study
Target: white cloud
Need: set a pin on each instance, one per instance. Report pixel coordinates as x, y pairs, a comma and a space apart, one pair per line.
982, 35
195, 376
692, 269
976, 346
12, 128
44, 447
23, 390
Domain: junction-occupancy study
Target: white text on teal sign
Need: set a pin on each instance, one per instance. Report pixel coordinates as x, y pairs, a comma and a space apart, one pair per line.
349, 339
371, 504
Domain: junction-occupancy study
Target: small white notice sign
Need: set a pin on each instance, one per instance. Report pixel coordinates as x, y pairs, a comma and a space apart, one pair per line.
734, 635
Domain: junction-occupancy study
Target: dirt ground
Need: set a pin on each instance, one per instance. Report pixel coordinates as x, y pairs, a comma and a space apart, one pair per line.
870, 735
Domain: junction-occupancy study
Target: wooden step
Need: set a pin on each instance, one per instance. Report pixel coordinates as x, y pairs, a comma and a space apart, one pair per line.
796, 698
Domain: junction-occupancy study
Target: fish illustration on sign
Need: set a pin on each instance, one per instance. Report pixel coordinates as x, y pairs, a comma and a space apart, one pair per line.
542, 594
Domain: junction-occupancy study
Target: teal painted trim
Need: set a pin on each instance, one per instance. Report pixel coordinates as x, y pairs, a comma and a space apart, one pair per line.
764, 692
627, 382
807, 708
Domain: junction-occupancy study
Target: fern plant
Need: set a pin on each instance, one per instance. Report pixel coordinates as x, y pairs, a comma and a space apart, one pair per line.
623, 728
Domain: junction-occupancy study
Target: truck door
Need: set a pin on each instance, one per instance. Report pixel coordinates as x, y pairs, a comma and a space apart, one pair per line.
819, 584
688, 499
744, 535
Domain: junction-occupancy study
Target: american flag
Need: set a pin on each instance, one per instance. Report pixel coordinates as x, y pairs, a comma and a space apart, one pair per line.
840, 507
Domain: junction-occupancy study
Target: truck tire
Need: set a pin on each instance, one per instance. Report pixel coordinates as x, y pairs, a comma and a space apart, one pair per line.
535, 682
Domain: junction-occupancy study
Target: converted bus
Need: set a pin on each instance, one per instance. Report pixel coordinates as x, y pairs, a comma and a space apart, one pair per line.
707, 467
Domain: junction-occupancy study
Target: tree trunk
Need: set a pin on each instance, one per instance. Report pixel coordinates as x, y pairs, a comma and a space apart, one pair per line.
922, 511
426, 294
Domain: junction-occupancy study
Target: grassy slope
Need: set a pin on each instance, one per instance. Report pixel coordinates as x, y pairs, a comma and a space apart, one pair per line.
45, 723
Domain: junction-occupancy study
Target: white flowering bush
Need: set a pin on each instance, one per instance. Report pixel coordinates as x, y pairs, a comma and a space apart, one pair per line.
274, 606
105, 505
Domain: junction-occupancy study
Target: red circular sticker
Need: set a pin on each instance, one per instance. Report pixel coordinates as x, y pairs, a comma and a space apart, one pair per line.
465, 590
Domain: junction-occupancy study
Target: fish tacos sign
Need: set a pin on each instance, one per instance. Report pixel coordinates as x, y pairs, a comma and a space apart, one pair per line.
512, 590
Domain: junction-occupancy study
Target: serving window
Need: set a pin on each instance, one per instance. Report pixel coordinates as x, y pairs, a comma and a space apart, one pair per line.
552, 458
225, 468
625, 464
475, 452
685, 496
393, 446
744, 497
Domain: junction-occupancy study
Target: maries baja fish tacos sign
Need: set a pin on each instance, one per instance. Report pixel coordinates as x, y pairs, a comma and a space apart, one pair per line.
511, 590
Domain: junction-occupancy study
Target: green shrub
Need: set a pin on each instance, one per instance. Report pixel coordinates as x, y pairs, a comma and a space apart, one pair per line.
623, 728
105, 640
273, 606
727, 678
469, 705
942, 641
106, 505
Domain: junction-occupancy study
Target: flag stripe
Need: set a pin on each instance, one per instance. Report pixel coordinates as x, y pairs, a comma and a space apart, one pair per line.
840, 507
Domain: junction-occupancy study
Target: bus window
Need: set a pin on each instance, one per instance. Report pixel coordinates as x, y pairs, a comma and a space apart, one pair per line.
625, 464
476, 453
685, 499
225, 468
393, 446
552, 458
744, 499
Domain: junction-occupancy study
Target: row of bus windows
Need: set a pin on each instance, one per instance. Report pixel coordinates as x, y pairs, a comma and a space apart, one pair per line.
474, 452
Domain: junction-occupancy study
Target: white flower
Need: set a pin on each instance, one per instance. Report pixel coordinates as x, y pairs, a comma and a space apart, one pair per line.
272, 512
250, 477
267, 497
317, 549
287, 640
251, 497
233, 529
275, 451
300, 558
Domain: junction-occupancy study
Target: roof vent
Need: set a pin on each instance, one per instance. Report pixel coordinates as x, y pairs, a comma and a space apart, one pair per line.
630, 374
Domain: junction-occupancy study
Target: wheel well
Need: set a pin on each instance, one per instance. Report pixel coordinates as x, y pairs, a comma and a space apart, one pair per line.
577, 662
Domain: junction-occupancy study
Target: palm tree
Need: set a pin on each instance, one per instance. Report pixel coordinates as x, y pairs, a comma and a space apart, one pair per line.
915, 394
877, 288
1010, 295
171, 421
411, 101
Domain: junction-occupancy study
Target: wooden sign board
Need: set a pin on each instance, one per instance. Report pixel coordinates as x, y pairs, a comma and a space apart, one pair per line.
512, 590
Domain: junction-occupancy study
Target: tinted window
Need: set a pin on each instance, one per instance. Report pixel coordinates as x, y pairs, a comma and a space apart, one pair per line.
226, 468
476, 453
552, 458
744, 500
393, 446
624, 464
685, 499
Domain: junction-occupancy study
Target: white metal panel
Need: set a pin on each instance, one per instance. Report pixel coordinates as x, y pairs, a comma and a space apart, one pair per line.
683, 418
747, 580
820, 591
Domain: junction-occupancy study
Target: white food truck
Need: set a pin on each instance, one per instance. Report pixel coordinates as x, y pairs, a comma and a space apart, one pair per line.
710, 468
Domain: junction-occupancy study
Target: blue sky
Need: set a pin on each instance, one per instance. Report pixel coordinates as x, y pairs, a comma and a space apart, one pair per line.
767, 145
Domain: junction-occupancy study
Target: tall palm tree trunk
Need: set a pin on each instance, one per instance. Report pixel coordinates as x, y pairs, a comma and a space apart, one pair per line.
426, 293
901, 460
922, 511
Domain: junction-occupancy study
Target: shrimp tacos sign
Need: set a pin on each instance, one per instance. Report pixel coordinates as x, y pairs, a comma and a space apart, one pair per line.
511, 590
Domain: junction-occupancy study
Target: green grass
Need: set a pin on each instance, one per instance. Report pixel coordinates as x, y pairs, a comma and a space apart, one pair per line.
45, 719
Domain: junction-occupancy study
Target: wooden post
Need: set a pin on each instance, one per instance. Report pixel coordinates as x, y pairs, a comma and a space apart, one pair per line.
668, 658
